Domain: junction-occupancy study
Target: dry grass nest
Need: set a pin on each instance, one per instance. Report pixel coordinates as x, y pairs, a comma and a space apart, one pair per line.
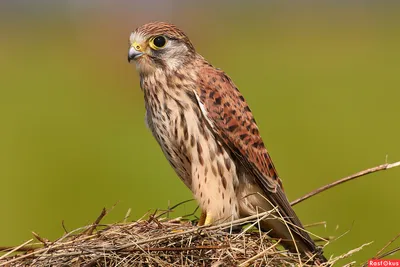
157, 241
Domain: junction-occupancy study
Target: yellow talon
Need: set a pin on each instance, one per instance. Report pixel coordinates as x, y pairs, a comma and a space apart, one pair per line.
205, 219
209, 219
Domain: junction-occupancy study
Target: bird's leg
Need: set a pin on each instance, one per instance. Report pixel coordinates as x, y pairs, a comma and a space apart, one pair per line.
205, 219
209, 219
202, 218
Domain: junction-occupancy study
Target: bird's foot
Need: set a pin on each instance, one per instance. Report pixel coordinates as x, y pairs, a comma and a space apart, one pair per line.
202, 219
209, 219
205, 219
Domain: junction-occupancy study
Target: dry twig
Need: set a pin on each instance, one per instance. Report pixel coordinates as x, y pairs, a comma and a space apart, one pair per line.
382, 167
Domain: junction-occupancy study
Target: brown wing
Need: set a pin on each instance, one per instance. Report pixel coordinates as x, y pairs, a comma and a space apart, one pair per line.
230, 118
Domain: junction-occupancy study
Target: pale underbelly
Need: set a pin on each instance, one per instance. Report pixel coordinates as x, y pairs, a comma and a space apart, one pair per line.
204, 165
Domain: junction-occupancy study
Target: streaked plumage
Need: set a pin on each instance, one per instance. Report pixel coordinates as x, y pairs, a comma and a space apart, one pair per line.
208, 134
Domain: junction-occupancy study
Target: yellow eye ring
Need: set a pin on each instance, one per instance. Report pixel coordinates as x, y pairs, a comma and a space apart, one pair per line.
157, 42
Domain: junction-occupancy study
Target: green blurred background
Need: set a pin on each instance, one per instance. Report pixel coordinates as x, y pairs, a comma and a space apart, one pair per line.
322, 79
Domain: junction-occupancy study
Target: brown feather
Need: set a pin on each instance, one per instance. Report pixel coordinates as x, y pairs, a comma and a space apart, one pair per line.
233, 122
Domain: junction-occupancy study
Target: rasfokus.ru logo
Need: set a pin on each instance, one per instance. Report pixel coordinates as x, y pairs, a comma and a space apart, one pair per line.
384, 263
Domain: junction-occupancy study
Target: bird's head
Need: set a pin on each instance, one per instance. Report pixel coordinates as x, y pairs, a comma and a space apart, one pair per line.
159, 45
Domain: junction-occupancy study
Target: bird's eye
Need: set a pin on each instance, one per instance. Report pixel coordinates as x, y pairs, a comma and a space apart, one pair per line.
158, 42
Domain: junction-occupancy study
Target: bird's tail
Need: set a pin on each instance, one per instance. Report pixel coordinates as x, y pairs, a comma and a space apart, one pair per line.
287, 228
280, 230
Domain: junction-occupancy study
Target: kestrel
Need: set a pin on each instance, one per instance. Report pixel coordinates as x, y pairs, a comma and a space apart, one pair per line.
209, 136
